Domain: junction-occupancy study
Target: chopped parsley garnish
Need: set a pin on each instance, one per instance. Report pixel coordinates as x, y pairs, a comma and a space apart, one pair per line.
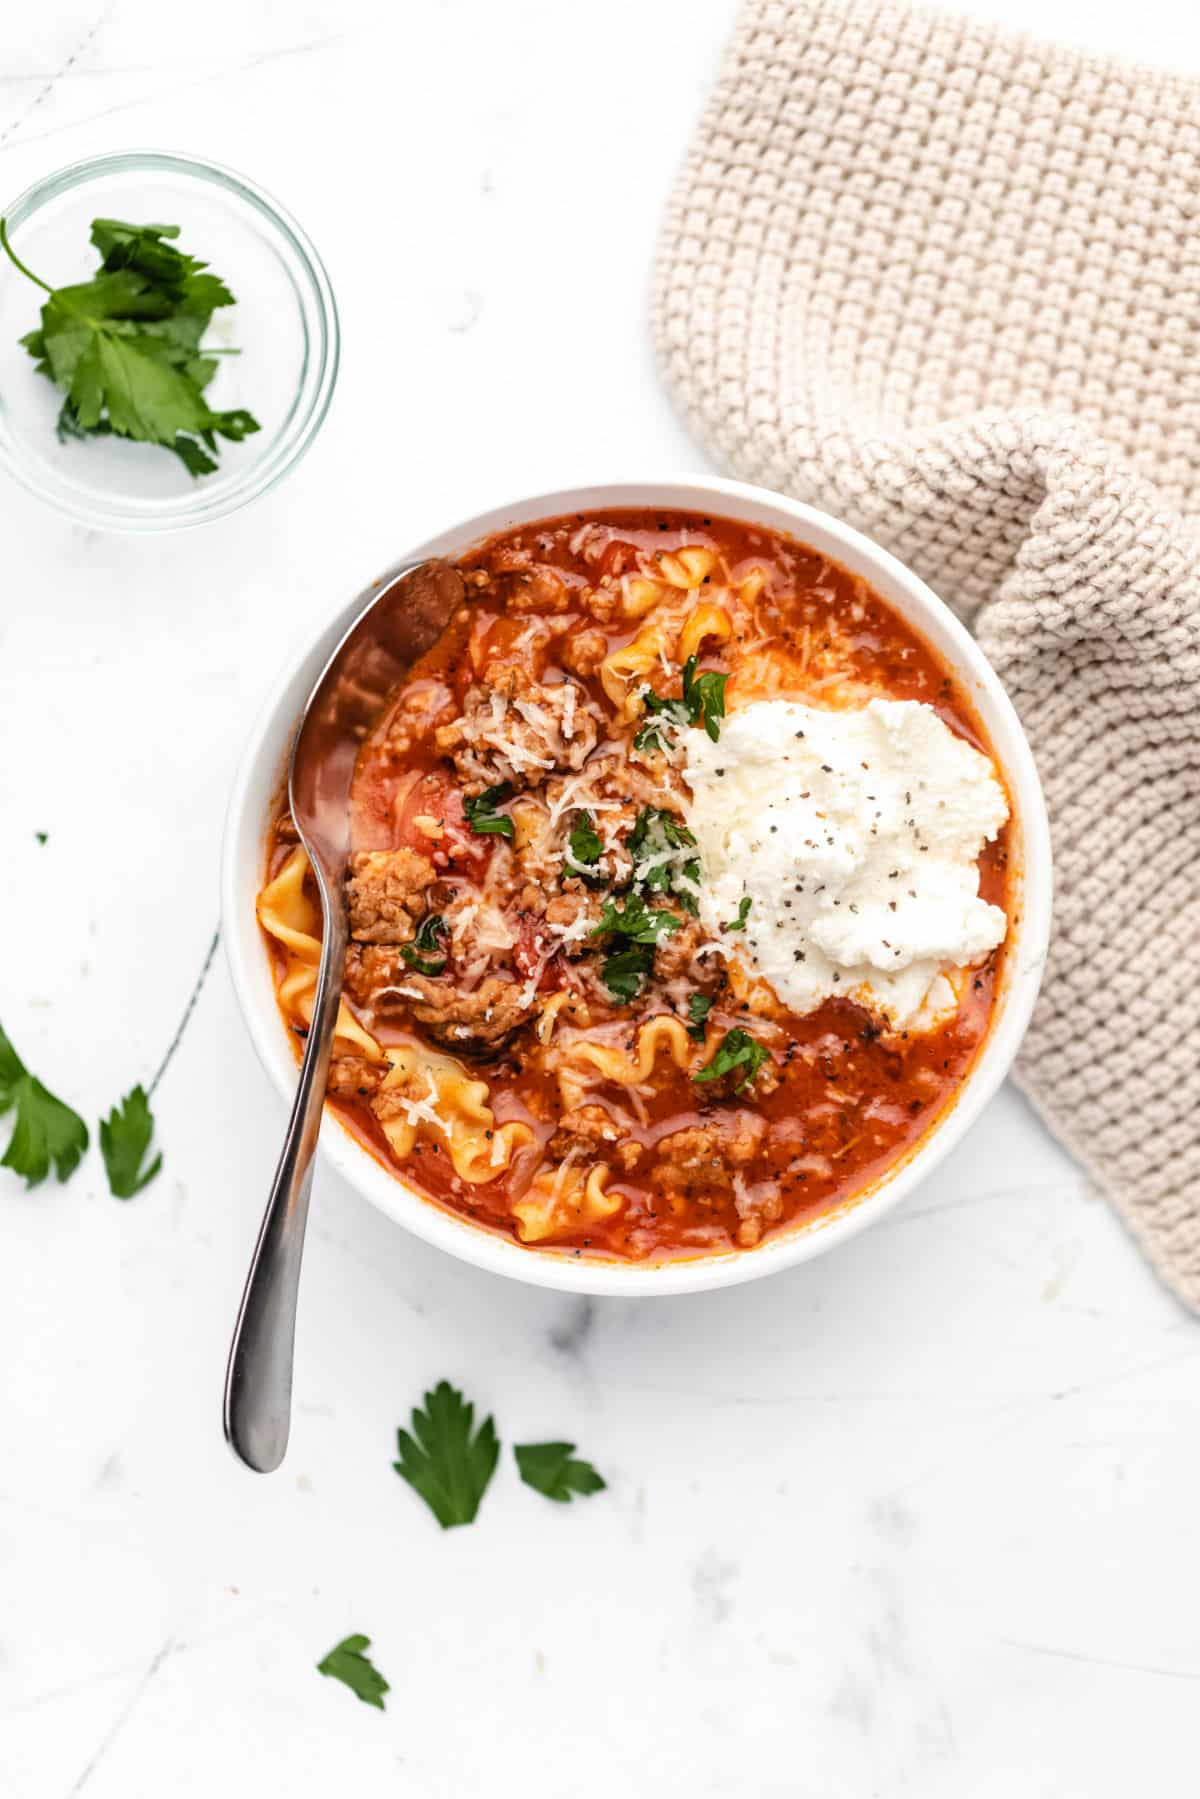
738, 1049
482, 815
703, 702
699, 1007
551, 1468
348, 1662
124, 348
704, 697
42, 836
47, 1133
738, 923
655, 833
423, 953
635, 920
674, 711
124, 1142
445, 1459
625, 969
584, 842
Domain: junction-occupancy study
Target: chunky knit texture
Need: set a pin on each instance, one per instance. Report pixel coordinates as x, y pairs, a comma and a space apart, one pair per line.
945, 283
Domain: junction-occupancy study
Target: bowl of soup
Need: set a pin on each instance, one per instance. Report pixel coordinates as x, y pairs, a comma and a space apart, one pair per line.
698, 898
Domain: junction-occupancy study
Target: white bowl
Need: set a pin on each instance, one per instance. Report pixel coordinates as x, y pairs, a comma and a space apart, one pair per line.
257, 786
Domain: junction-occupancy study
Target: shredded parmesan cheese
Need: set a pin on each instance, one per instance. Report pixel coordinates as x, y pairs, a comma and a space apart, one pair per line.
423, 1111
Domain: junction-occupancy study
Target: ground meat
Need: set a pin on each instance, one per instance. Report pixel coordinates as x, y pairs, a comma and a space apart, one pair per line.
538, 589
353, 1077
583, 651
518, 732
475, 1023
567, 909
386, 894
590, 1131
373, 972
603, 602
421, 706
698, 1163
676, 949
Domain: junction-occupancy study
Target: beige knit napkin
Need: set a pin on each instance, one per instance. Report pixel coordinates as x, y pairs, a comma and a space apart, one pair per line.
945, 283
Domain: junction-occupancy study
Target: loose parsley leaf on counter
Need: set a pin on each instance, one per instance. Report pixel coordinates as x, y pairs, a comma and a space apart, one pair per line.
124, 348
124, 1141
654, 834
584, 842
46, 1132
738, 1049
482, 815
550, 1468
423, 953
738, 923
445, 1459
348, 1662
703, 702
699, 1007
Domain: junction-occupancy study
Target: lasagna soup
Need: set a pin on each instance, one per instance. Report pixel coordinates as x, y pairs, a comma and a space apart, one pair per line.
678, 894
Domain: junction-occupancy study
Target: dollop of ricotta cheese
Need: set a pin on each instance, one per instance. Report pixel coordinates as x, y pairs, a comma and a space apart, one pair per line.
854, 834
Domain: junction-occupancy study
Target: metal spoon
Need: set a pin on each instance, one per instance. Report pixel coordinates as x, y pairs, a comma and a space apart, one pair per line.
399, 623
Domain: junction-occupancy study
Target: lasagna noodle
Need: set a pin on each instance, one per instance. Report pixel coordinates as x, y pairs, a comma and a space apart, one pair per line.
289, 914
613, 1063
425, 1090
564, 1201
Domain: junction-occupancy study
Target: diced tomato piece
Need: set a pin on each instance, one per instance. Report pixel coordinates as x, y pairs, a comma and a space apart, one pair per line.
532, 943
437, 800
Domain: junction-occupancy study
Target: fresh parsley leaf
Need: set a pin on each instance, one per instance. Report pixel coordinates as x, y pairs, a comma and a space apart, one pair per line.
124, 1140
585, 842
46, 1132
445, 1459
124, 347
702, 702
551, 1468
649, 738
626, 971
657, 829
699, 1007
195, 458
482, 815
654, 834
704, 697
670, 711
626, 968
42, 836
635, 920
423, 953
738, 1049
738, 922
348, 1662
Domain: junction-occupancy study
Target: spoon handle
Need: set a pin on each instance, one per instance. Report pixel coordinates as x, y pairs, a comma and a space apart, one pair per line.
258, 1379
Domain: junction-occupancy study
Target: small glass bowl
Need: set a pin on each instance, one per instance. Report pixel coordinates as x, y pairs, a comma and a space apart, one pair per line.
284, 323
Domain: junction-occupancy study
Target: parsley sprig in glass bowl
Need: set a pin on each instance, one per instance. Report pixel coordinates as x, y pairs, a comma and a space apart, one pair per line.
159, 440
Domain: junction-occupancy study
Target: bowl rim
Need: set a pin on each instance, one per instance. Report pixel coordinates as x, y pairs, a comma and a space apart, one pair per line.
258, 775
322, 350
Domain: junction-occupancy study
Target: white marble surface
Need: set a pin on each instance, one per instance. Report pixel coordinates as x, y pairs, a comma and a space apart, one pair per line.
917, 1519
